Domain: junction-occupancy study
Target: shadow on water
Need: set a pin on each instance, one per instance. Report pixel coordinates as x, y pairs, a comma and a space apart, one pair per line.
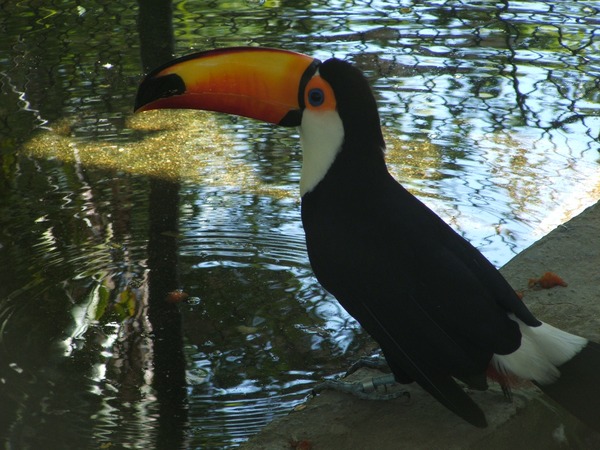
154, 286
169, 381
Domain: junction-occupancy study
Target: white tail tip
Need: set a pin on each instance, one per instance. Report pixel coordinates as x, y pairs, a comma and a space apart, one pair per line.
543, 349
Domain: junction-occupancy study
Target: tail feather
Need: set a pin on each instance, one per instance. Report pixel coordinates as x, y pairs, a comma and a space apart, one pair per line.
578, 388
565, 366
543, 349
453, 397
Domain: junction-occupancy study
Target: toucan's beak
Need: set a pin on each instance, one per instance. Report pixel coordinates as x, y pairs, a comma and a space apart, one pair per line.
260, 83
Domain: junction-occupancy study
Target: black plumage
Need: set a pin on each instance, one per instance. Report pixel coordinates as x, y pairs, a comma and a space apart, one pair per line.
436, 306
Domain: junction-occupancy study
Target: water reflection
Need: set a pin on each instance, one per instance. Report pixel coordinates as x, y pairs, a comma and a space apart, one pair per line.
490, 114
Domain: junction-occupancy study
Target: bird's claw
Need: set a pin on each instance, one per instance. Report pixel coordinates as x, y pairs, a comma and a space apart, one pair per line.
376, 362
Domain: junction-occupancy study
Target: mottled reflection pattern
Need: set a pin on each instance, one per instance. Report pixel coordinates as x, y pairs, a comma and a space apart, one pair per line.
154, 286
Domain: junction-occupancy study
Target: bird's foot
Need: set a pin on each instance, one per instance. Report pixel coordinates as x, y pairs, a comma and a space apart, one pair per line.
374, 362
373, 388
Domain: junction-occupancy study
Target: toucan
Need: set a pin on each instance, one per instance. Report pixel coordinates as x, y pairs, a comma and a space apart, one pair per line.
443, 315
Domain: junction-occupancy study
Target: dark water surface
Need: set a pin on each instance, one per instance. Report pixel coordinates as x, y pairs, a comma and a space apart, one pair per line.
492, 117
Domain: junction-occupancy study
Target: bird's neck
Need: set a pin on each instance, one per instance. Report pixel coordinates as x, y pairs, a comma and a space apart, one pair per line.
329, 151
321, 136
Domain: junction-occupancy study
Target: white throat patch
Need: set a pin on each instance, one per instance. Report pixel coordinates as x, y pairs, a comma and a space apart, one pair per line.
321, 136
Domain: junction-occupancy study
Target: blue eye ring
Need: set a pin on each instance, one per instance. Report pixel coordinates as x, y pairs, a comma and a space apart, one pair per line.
316, 97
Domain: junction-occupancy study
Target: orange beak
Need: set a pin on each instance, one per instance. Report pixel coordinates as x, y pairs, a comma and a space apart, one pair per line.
260, 83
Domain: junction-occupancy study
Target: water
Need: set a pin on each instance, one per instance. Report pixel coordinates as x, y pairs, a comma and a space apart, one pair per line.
491, 114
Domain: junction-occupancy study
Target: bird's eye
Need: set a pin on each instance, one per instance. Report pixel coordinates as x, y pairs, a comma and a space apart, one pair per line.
316, 97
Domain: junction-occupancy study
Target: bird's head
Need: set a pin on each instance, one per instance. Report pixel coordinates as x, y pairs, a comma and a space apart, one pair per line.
329, 101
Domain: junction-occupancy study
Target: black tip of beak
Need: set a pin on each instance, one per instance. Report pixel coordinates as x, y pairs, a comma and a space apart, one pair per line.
154, 88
